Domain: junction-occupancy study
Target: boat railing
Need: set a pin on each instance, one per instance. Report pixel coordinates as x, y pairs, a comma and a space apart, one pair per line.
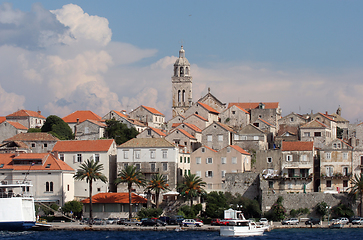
15, 188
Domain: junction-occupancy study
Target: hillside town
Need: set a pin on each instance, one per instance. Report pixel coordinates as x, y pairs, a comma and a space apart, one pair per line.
248, 148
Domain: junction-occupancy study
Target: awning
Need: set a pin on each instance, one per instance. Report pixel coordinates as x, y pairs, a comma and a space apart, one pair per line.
171, 193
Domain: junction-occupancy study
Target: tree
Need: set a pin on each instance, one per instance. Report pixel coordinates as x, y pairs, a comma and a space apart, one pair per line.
356, 189
149, 213
119, 131
216, 204
73, 206
192, 186
57, 127
277, 210
130, 175
322, 209
32, 130
90, 171
342, 210
158, 184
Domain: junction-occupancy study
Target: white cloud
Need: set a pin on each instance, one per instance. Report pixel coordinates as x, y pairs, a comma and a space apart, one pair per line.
10, 101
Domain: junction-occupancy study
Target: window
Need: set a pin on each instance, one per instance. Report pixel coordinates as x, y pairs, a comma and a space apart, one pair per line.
48, 166
209, 160
165, 166
209, 186
304, 158
244, 137
198, 160
345, 156
125, 165
188, 159
236, 137
198, 173
291, 172
223, 160
255, 138
45, 145
33, 144
328, 183
345, 183
306, 134
137, 154
137, 166
181, 159
234, 160
126, 154
86, 130
329, 171
2, 165
209, 174
288, 158
345, 171
152, 167
256, 124
152, 154
223, 173
228, 149
149, 132
165, 154
269, 159
328, 156
61, 156
185, 159
79, 157
317, 134
304, 172
185, 172
209, 138
220, 138
289, 186
270, 184
291, 119
233, 112
49, 186
97, 157
68, 188
203, 150
181, 172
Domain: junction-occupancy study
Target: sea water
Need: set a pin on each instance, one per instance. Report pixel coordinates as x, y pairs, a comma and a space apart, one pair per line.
283, 234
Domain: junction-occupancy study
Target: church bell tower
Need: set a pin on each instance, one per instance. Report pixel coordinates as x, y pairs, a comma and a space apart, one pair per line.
181, 85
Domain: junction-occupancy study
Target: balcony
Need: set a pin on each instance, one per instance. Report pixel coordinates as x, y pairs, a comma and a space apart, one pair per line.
149, 170
290, 177
336, 176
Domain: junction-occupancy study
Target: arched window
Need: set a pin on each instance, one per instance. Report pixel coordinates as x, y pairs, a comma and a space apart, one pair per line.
47, 186
51, 186
181, 71
183, 96
186, 71
179, 95
175, 71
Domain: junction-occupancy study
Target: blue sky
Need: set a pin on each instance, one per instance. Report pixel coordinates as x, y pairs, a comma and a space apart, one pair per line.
307, 55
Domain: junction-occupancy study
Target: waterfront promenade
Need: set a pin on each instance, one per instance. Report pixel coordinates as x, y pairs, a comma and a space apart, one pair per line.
75, 226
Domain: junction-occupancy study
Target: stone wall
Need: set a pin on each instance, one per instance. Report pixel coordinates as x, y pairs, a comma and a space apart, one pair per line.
247, 184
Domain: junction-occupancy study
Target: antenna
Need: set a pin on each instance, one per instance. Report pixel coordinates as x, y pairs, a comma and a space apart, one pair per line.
182, 42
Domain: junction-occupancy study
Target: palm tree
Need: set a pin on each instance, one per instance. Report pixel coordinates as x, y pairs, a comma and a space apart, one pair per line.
91, 171
192, 186
157, 184
357, 189
130, 175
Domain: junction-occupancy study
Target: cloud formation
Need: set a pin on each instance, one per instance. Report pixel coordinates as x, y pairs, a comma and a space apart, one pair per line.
64, 60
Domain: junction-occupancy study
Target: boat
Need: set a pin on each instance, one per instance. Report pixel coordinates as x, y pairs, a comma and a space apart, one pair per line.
17, 211
238, 226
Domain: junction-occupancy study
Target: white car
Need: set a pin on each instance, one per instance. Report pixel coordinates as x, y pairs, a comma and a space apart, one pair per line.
191, 222
344, 220
263, 221
290, 221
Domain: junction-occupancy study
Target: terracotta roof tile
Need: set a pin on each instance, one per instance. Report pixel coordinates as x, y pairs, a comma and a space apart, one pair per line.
121, 114
175, 125
210, 148
152, 110
297, 146
239, 149
208, 108
82, 116
244, 110
204, 119
186, 133
268, 105
327, 116
146, 143
2, 119
158, 131
17, 125
26, 113
47, 158
100, 145
34, 136
193, 127
101, 124
264, 121
116, 198
314, 124
225, 127
136, 122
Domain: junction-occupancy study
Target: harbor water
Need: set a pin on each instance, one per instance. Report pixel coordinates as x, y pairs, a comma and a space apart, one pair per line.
283, 234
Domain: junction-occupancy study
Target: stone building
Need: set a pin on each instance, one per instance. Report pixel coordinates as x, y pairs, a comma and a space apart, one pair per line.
212, 101
37, 142
90, 130
197, 120
217, 136
27, 118
9, 129
235, 117
204, 111
180, 137
148, 115
251, 138
151, 132
317, 132
78, 117
125, 119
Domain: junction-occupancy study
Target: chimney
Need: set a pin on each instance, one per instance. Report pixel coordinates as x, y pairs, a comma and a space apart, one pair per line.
55, 154
77, 121
326, 112
39, 112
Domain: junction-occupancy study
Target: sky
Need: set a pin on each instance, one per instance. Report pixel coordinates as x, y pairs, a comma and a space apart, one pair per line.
61, 56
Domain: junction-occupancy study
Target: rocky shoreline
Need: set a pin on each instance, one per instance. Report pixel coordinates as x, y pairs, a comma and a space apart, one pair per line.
75, 226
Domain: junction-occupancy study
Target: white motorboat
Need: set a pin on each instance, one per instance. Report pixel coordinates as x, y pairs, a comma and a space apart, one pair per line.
17, 212
238, 226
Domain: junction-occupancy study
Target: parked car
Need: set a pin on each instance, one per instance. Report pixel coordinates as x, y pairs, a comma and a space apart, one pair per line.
290, 221
111, 220
312, 221
263, 221
358, 221
121, 221
343, 220
153, 222
98, 221
132, 222
176, 220
217, 222
191, 222
165, 219
351, 219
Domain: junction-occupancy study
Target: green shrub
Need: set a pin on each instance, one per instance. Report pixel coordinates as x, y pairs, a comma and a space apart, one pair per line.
149, 212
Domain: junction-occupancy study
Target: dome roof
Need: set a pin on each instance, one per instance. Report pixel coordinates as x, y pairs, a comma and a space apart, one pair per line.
182, 61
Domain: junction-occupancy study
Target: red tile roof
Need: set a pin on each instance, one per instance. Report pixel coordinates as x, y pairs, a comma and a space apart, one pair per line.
101, 124
204, 119
158, 131
101, 145
175, 125
82, 116
208, 108
185, 133
265, 122
116, 198
210, 148
2, 119
26, 113
35, 136
152, 110
314, 124
17, 125
239, 149
121, 114
268, 105
47, 158
225, 127
297, 146
244, 110
193, 127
